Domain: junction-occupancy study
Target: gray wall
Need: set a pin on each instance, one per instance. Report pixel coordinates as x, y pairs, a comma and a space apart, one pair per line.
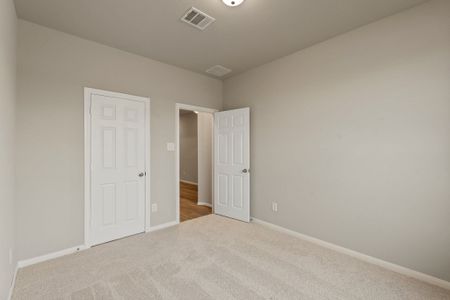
205, 122
188, 147
53, 68
352, 138
8, 24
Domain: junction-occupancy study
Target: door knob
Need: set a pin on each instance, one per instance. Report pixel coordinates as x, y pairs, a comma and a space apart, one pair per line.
245, 171
141, 174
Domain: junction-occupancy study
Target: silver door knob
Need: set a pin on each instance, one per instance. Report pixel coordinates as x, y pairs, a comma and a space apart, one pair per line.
141, 174
245, 171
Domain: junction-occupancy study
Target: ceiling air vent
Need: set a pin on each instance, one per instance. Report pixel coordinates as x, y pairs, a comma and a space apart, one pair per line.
197, 18
218, 71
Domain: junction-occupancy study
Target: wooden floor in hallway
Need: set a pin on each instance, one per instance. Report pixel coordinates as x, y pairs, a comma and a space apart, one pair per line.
188, 203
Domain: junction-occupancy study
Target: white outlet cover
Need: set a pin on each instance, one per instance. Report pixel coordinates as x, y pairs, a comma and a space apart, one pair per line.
170, 146
154, 207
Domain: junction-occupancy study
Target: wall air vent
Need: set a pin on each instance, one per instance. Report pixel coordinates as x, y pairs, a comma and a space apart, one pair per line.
197, 18
218, 71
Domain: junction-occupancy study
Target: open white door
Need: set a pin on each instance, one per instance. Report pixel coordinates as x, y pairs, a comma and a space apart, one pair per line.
232, 164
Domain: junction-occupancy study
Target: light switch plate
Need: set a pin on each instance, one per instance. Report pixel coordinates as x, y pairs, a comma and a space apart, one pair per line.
170, 146
275, 206
154, 207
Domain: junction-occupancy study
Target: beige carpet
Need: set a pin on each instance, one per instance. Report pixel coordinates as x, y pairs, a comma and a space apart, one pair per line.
215, 258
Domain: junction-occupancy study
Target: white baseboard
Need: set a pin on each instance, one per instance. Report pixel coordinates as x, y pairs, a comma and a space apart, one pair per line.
189, 182
163, 226
42, 258
372, 260
204, 204
13, 283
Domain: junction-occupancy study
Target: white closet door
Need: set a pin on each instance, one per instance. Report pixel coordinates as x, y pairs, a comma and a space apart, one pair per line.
118, 168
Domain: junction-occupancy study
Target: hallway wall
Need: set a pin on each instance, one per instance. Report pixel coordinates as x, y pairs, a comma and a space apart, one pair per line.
188, 147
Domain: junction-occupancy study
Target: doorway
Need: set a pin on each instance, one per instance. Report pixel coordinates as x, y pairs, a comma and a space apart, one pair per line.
194, 161
229, 165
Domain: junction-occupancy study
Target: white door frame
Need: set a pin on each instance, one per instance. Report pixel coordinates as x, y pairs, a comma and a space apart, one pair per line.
88, 92
178, 107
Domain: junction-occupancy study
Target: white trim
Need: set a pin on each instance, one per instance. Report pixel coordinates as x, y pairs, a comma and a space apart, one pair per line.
178, 107
188, 182
148, 170
45, 257
88, 92
163, 226
358, 255
204, 204
87, 164
195, 108
13, 283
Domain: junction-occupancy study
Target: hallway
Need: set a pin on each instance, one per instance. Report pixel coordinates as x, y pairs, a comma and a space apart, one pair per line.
188, 203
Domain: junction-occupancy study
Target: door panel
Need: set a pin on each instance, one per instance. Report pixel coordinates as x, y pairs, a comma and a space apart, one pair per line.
109, 204
117, 159
232, 164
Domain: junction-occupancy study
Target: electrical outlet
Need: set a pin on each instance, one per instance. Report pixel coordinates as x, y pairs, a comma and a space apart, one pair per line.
275, 206
154, 207
10, 256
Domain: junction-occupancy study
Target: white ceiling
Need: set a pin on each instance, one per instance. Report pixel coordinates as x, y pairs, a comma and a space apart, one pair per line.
242, 37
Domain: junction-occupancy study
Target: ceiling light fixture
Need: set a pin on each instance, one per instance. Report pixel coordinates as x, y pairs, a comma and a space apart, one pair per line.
232, 2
